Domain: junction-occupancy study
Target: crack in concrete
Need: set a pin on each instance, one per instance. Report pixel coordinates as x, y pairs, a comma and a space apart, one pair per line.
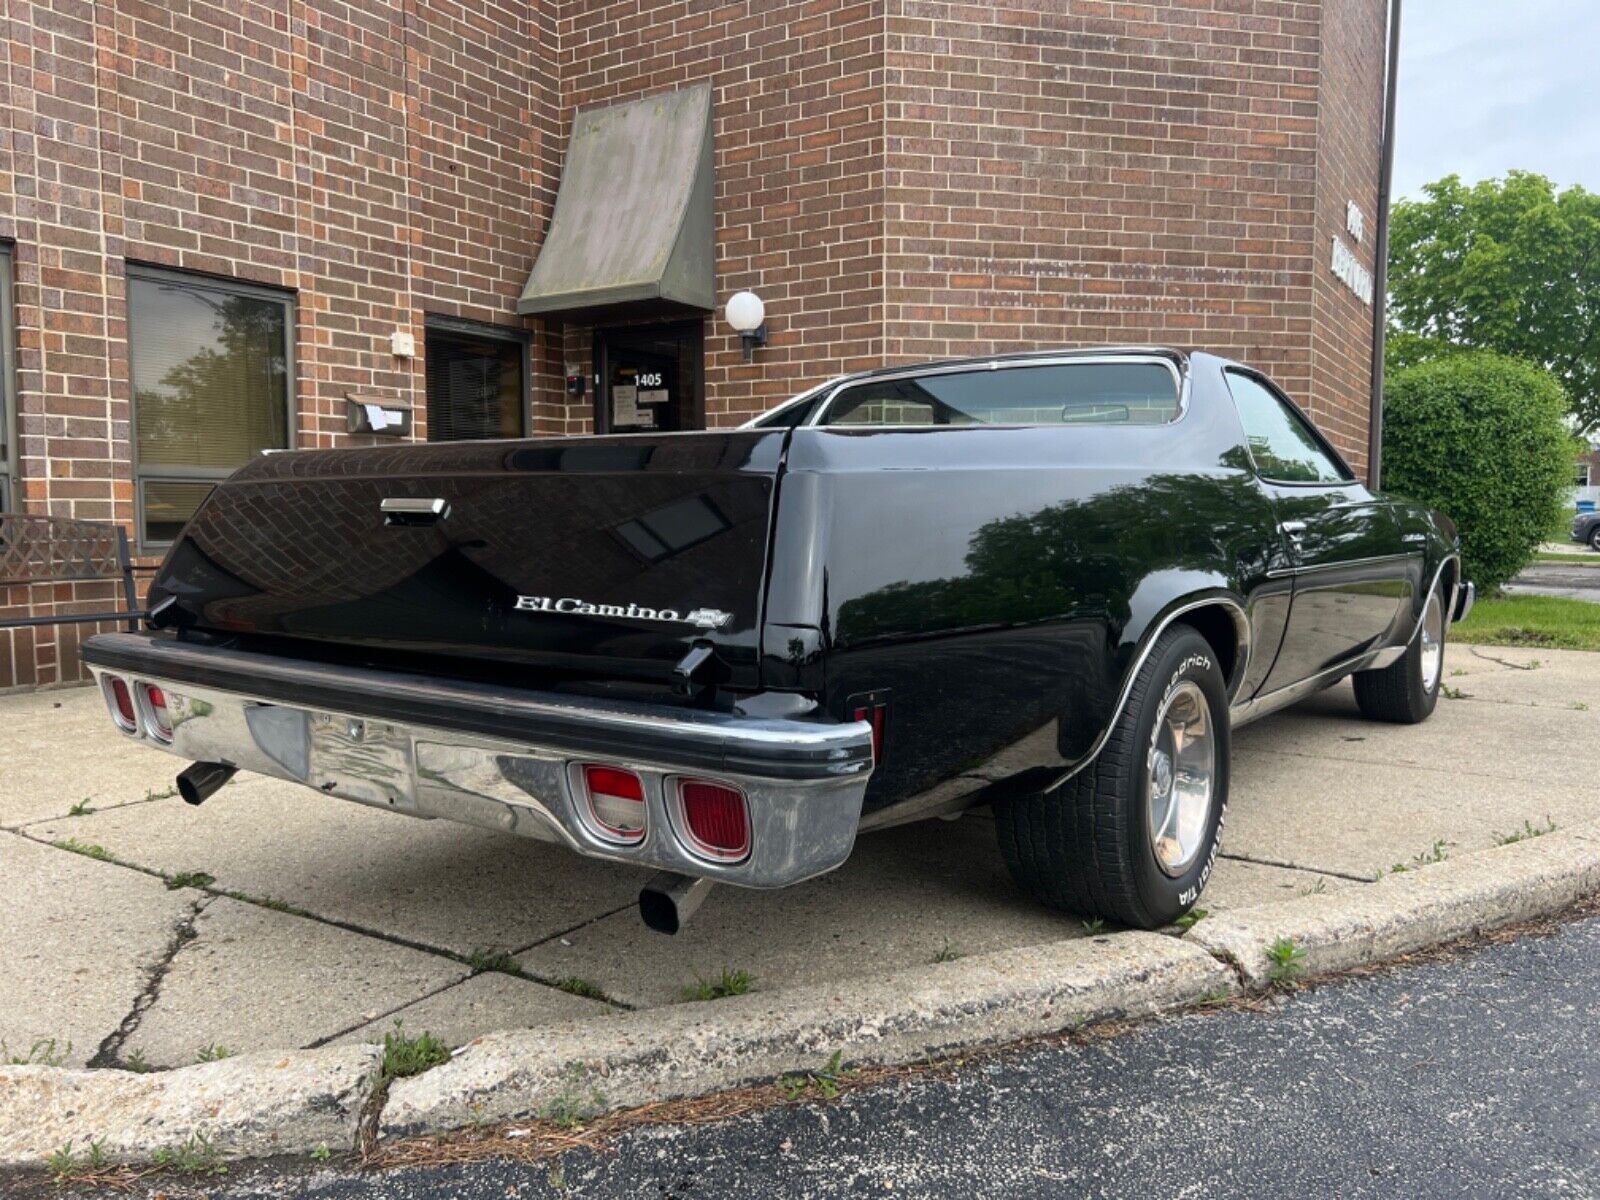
1453, 771
1292, 866
584, 924
183, 933
109, 806
1501, 661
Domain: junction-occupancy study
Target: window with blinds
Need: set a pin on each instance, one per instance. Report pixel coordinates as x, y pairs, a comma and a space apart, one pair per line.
8, 389
211, 373
477, 383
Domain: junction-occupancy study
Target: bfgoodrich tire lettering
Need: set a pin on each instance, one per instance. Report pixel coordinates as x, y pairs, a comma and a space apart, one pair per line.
1087, 845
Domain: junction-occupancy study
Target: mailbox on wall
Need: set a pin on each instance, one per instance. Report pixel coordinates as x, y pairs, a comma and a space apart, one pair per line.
375, 414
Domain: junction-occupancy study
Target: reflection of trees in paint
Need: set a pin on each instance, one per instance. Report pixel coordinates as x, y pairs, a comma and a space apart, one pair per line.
1076, 556
226, 400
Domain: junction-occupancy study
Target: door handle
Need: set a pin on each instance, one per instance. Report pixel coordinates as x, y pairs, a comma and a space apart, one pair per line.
414, 510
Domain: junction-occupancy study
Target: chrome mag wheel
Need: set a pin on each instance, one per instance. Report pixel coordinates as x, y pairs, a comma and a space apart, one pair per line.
1432, 642
1180, 778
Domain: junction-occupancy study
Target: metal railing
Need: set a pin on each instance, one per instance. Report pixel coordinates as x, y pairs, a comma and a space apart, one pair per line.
36, 549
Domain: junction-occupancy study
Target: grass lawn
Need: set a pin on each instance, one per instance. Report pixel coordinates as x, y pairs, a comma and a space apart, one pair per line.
1581, 558
1531, 621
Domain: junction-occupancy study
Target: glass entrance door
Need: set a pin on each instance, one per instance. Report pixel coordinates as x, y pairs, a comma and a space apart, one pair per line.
652, 378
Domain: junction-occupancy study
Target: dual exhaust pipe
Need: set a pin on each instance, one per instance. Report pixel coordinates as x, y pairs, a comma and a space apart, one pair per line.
666, 902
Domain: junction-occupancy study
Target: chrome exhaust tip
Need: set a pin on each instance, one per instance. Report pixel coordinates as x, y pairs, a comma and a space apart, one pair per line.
202, 779
668, 900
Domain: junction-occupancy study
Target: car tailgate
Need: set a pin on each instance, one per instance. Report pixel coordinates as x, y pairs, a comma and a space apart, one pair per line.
606, 556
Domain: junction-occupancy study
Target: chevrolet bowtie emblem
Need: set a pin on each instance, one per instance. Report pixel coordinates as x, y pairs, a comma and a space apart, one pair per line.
700, 618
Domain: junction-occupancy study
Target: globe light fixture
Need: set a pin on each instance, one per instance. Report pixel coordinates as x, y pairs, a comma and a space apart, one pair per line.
748, 317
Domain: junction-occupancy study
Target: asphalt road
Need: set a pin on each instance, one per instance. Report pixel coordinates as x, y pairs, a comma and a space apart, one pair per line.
1475, 1077
1577, 582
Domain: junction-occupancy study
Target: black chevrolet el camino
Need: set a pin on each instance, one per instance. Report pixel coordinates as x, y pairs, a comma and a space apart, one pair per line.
1050, 583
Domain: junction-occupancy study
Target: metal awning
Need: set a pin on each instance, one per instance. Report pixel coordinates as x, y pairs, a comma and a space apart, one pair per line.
632, 230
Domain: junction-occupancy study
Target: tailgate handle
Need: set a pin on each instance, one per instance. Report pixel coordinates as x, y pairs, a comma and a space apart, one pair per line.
413, 510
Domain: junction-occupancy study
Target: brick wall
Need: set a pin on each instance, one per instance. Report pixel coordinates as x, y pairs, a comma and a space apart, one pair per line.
798, 119
1354, 41
898, 179
1097, 172
382, 159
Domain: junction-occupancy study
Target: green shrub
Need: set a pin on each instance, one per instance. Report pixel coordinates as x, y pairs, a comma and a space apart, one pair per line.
1481, 438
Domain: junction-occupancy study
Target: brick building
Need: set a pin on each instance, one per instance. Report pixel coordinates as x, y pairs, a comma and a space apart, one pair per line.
215, 217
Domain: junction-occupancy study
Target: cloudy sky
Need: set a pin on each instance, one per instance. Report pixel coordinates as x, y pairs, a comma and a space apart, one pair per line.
1488, 85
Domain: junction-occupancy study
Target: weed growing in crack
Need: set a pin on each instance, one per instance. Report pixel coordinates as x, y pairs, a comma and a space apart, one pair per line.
1435, 853
80, 809
151, 793
731, 983
1191, 918
405, 1056
189, 879
1286, 964
195, 1155
579, 1100
501, 961
1454, 693
73, 846
212, 1053
42, 1053
63, 1163
945, 953
1528, 830
1093, 925
137, 1063
321, 1154
574, 986
826, 1081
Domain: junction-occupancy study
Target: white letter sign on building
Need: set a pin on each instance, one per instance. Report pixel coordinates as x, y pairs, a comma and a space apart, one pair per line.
1350, 271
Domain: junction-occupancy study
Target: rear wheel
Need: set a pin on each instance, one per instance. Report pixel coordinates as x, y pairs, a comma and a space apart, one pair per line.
1133, 836
1406, 691
1594, 538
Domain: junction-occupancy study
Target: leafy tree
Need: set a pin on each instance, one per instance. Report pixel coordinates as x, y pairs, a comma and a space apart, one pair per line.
1483, 439
1505, 265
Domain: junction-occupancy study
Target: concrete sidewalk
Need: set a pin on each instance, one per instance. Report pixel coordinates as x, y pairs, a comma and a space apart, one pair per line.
298, 921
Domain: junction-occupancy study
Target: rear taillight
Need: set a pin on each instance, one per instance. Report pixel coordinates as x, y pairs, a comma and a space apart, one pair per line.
155, 710
715, 819
614, 799
120, 700
876, 715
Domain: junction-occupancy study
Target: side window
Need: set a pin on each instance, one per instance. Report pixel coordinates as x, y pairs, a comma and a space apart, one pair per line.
1281, 443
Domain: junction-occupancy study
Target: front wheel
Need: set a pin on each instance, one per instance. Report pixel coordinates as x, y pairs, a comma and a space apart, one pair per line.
1594, 538
1406, 691
1133, 836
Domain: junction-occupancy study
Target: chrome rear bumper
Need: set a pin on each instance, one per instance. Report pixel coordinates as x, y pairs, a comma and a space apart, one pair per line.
501, 758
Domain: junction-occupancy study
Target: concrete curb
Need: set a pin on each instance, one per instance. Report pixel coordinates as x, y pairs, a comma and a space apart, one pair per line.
620, 1062
293, 1103
1410, 911
248, 1106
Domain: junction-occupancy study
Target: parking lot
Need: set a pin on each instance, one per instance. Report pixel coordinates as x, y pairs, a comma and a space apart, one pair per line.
145, 932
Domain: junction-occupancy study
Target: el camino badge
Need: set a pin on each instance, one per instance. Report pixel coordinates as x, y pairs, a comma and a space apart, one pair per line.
700, 618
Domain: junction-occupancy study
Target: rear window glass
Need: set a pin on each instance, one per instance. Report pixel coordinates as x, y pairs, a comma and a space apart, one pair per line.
1126, 393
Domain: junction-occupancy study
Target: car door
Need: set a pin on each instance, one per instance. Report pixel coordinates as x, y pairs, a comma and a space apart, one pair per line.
1352, 574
